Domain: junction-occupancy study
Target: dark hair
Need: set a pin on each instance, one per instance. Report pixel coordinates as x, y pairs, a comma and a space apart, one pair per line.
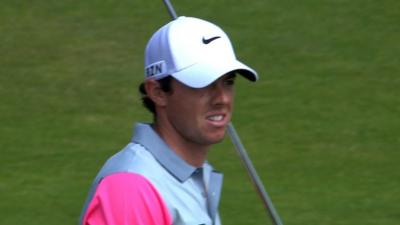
165, 84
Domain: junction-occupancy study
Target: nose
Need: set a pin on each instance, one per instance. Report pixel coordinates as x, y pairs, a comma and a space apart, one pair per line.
222, 94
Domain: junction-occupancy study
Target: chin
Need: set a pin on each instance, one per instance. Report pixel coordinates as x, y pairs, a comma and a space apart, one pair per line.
217, 138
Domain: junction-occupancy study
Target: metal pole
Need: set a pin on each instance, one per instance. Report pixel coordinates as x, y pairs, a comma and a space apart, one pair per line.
243, 155
170, 8
253, 175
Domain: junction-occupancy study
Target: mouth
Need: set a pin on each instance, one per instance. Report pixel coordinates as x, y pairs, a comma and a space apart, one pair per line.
218, 120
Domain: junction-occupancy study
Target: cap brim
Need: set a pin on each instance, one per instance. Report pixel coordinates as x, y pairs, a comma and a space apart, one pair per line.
203, 74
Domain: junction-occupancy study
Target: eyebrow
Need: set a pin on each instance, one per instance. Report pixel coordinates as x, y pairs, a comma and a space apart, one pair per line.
231, 75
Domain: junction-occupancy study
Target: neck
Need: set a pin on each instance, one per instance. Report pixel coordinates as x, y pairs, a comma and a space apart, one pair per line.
193, 153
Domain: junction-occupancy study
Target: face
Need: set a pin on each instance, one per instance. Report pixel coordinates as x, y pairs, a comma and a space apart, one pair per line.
199, 116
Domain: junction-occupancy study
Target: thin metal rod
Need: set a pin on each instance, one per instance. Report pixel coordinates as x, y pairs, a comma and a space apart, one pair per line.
253, 175
170, 8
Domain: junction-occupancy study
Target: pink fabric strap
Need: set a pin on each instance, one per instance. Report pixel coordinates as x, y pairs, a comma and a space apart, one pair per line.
126, 199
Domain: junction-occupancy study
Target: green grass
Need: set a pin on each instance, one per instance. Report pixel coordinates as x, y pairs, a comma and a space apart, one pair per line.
321, 126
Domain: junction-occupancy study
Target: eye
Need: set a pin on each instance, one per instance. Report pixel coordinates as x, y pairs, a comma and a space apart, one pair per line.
229, 81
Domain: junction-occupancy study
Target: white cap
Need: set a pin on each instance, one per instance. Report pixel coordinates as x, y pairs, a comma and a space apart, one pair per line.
193, 51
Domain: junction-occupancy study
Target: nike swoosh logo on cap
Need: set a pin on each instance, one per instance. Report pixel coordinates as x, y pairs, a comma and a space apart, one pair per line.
207, 41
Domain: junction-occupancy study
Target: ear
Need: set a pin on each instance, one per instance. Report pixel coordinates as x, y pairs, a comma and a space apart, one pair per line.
155, 93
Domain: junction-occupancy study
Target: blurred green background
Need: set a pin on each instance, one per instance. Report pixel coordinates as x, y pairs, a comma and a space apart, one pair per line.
321, 126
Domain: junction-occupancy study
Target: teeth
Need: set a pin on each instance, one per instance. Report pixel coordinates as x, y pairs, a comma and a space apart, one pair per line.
216, 118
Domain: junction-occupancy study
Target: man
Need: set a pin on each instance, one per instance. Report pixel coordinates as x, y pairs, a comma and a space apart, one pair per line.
162, 177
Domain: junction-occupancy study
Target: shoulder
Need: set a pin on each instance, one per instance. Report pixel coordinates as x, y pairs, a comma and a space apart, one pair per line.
125, 182
126, 197
121, 186
133, 158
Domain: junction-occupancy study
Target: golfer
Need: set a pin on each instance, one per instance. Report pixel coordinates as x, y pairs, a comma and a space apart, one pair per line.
162, 177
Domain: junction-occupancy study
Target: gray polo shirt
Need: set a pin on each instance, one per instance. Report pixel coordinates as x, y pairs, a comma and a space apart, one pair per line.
191, 194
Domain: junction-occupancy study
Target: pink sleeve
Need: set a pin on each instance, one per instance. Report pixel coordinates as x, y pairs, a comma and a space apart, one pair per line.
126, 199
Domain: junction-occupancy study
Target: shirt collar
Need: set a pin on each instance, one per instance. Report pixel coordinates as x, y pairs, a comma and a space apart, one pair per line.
146, 136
